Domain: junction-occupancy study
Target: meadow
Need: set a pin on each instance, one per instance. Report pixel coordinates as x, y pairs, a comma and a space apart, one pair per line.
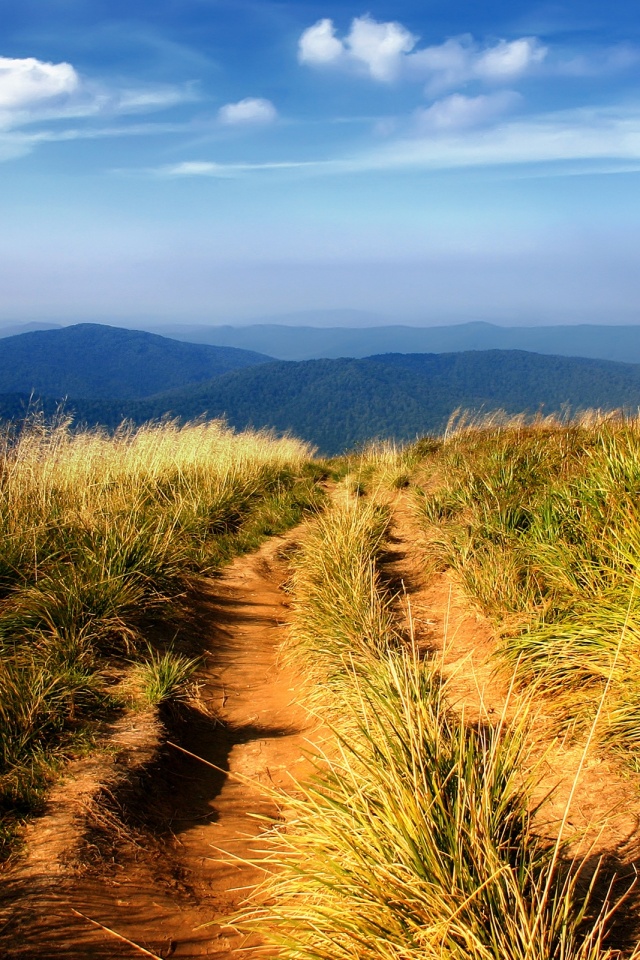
100, 536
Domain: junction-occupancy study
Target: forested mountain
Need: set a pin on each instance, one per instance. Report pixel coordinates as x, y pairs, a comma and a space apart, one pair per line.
339, 403
92, 361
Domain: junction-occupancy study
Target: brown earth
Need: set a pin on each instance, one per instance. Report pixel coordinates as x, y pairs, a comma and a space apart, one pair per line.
150, 842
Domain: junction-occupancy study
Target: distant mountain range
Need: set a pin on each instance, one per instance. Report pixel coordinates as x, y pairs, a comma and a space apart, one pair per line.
109, 374
603, 342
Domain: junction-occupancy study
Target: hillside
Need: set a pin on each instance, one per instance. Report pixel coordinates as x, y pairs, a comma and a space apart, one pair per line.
621, 343
336, 404
92, 361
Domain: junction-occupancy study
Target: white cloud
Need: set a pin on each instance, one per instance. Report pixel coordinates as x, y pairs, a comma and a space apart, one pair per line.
251, 110
319, 44
604, 140
460, 60
379, 47
26, 82
509, 59
459, 112
387, 49
33, 91
145, 100
581, 136
206, 168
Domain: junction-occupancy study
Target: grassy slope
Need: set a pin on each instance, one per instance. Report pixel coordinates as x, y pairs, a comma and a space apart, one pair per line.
97, 535
542, 525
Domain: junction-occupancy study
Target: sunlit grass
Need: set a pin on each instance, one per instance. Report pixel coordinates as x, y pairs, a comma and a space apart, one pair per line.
97, 533
415, 837
541, 522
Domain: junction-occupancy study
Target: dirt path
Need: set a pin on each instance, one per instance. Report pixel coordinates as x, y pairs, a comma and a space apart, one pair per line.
145, 862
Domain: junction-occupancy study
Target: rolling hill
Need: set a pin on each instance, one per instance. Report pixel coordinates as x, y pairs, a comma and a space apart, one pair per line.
92, 361
339, 403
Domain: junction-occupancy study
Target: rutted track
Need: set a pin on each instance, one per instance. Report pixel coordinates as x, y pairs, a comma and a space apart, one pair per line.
157, 884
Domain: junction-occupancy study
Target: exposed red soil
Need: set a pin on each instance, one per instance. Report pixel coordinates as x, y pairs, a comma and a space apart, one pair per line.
162, 852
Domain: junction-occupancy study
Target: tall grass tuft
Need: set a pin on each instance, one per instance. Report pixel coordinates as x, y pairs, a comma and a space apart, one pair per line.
340, 610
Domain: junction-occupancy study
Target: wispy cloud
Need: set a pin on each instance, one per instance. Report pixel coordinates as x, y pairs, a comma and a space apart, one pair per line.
37, 96
563, 138
458, 111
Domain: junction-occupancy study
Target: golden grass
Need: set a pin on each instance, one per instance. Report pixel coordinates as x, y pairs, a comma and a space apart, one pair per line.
541, 522
96, 533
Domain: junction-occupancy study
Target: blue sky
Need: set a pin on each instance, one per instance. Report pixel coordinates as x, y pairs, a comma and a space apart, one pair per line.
427, 162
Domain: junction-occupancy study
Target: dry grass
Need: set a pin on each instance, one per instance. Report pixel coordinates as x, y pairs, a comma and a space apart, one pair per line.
414, 839
541, 521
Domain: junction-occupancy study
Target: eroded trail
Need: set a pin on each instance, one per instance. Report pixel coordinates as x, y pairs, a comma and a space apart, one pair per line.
603, 819
160, 877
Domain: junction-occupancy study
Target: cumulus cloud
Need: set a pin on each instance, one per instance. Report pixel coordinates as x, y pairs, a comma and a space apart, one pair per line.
388, 49
29, 81
379, 47
457, 112
319, 44
251, 110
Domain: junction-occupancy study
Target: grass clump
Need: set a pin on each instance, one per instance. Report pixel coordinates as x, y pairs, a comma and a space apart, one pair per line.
98, 535
163, 676
414, 839
541, 522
